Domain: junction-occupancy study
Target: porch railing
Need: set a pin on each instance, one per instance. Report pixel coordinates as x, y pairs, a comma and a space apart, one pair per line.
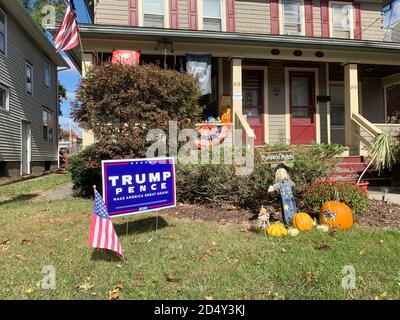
242, 124
367, 131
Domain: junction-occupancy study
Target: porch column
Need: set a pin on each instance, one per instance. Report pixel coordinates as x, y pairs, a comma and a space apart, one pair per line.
236, 64
351, 106
87, 135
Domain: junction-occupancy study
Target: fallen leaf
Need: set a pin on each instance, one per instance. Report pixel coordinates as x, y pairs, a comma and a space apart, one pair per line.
51, 221
208, 298
20, 257
205, 255
310, 277
5, 242
26, 242
382, 296
84, 286
363, 252
119, 266
283, 250
113, 294
138, 277
323, 246
171, 278
381, 241
29, 291
222, 222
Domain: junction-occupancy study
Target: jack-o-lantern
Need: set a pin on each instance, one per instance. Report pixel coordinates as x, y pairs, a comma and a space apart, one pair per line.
336, 214
226, 117
302, 221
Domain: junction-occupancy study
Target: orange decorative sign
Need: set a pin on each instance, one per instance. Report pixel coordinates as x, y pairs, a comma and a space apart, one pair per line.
128, 57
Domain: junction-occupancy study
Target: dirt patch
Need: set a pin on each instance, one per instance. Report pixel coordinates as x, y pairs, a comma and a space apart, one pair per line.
9, 180
380, 214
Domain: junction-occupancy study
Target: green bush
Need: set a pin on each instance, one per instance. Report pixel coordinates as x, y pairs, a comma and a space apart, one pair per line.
349, 193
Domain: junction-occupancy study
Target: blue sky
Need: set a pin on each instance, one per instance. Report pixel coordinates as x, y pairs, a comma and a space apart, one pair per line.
70, 78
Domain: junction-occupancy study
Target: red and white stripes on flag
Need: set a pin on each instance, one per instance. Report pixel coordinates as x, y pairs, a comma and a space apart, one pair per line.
102, 234
67, 36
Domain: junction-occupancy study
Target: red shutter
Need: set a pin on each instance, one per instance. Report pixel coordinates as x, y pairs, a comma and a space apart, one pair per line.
193, 14
133, 14
173, 14
325, 18
357, 21
274, 16
308, 12
230, 16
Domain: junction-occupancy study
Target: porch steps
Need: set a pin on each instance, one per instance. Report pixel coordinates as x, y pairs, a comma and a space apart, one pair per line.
351, 167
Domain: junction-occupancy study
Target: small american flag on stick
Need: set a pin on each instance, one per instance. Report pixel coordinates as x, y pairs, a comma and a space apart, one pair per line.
67, 36
102, 234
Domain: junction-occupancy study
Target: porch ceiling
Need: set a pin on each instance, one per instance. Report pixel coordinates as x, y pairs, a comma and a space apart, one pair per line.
91, 34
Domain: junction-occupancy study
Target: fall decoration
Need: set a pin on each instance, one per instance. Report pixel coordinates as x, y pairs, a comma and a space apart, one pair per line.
302, 221
277, 230
322, 228
336, 214
293, 232
226, 117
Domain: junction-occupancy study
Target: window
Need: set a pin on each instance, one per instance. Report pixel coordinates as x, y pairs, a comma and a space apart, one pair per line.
46, 71
153, 13
337, 104
392, 94
4, 98
292, 13
29, 78
3, 32
341, 20
212, 18
47, 126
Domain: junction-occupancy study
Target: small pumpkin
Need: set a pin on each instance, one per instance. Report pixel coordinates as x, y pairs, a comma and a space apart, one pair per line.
302, 221
293, 232
226, 117
277, 230
336, 214
322, 228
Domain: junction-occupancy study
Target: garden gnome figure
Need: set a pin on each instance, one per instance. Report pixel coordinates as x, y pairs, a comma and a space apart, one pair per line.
284, 185
263, 217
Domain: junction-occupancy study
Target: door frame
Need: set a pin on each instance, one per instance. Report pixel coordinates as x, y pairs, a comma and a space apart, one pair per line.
265, 98
28, 147
287, 101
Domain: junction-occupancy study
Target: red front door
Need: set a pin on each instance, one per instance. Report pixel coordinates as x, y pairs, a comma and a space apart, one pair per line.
253, 102
302, 108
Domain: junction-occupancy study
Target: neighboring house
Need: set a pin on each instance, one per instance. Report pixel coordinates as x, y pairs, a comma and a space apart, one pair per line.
297, 72
28, 94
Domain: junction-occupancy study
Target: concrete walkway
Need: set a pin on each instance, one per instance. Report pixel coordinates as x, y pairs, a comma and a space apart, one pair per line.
392, 195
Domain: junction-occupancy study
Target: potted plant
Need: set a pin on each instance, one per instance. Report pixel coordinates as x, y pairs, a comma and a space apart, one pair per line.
381, 156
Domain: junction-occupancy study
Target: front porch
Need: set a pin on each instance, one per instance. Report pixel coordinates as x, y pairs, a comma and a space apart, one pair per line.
324, 91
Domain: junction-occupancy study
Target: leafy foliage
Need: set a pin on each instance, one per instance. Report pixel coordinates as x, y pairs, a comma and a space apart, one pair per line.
348, 193
38, 11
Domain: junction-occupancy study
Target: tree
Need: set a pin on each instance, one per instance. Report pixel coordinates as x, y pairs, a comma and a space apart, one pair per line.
62, 95
38, 11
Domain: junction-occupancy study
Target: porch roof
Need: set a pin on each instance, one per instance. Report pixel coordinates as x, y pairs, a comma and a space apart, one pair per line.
108, 32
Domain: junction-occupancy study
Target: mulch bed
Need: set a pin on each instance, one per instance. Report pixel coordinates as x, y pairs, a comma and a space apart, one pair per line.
380, 214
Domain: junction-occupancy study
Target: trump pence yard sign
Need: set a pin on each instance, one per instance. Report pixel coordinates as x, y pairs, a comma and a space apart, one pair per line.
138, 185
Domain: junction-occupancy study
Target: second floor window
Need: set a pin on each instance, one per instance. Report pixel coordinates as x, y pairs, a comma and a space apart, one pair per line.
292, 17
29, 78
212, 18
342, 20
46, 71
153, 13
3, 35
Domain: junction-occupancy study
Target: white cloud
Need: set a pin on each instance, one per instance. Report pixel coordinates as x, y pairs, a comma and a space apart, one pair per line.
67, 123
71, 96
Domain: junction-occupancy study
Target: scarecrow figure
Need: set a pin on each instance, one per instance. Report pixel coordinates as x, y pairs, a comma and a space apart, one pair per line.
284, 185
263, 218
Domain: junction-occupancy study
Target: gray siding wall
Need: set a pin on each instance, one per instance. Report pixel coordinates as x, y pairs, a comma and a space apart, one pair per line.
22, 106
373, 108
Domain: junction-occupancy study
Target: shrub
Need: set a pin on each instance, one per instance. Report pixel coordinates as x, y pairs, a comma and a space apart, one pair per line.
349, 193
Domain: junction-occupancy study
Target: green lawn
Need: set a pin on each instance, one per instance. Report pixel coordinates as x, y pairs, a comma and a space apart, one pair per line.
185, 260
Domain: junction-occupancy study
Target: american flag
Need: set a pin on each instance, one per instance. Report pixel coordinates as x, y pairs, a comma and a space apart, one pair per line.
102, 234
67, 36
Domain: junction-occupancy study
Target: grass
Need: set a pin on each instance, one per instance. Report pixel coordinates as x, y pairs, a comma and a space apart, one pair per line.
185, 260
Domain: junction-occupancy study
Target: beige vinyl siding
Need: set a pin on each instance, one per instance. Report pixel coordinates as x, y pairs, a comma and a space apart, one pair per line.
276, 103
253, 16
22, 106
317, 18
183, 12
372, 21
113, 12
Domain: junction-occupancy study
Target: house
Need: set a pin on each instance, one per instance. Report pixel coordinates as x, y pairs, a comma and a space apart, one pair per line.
28, 94
297, 71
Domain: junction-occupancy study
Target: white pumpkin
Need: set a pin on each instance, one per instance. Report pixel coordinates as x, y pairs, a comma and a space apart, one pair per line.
322, 228
293, 232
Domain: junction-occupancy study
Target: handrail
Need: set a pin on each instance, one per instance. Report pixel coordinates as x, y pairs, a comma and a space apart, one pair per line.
368, 126
243, 124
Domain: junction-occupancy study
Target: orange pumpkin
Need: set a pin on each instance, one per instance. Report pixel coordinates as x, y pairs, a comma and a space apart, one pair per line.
226, 117
302, 221
336, 214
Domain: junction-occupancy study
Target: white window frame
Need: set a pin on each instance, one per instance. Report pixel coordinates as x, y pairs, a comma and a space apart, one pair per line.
141, 13
45, 60
302, 18
6, 33
200, 16
331, 31
7, 90
28, 65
